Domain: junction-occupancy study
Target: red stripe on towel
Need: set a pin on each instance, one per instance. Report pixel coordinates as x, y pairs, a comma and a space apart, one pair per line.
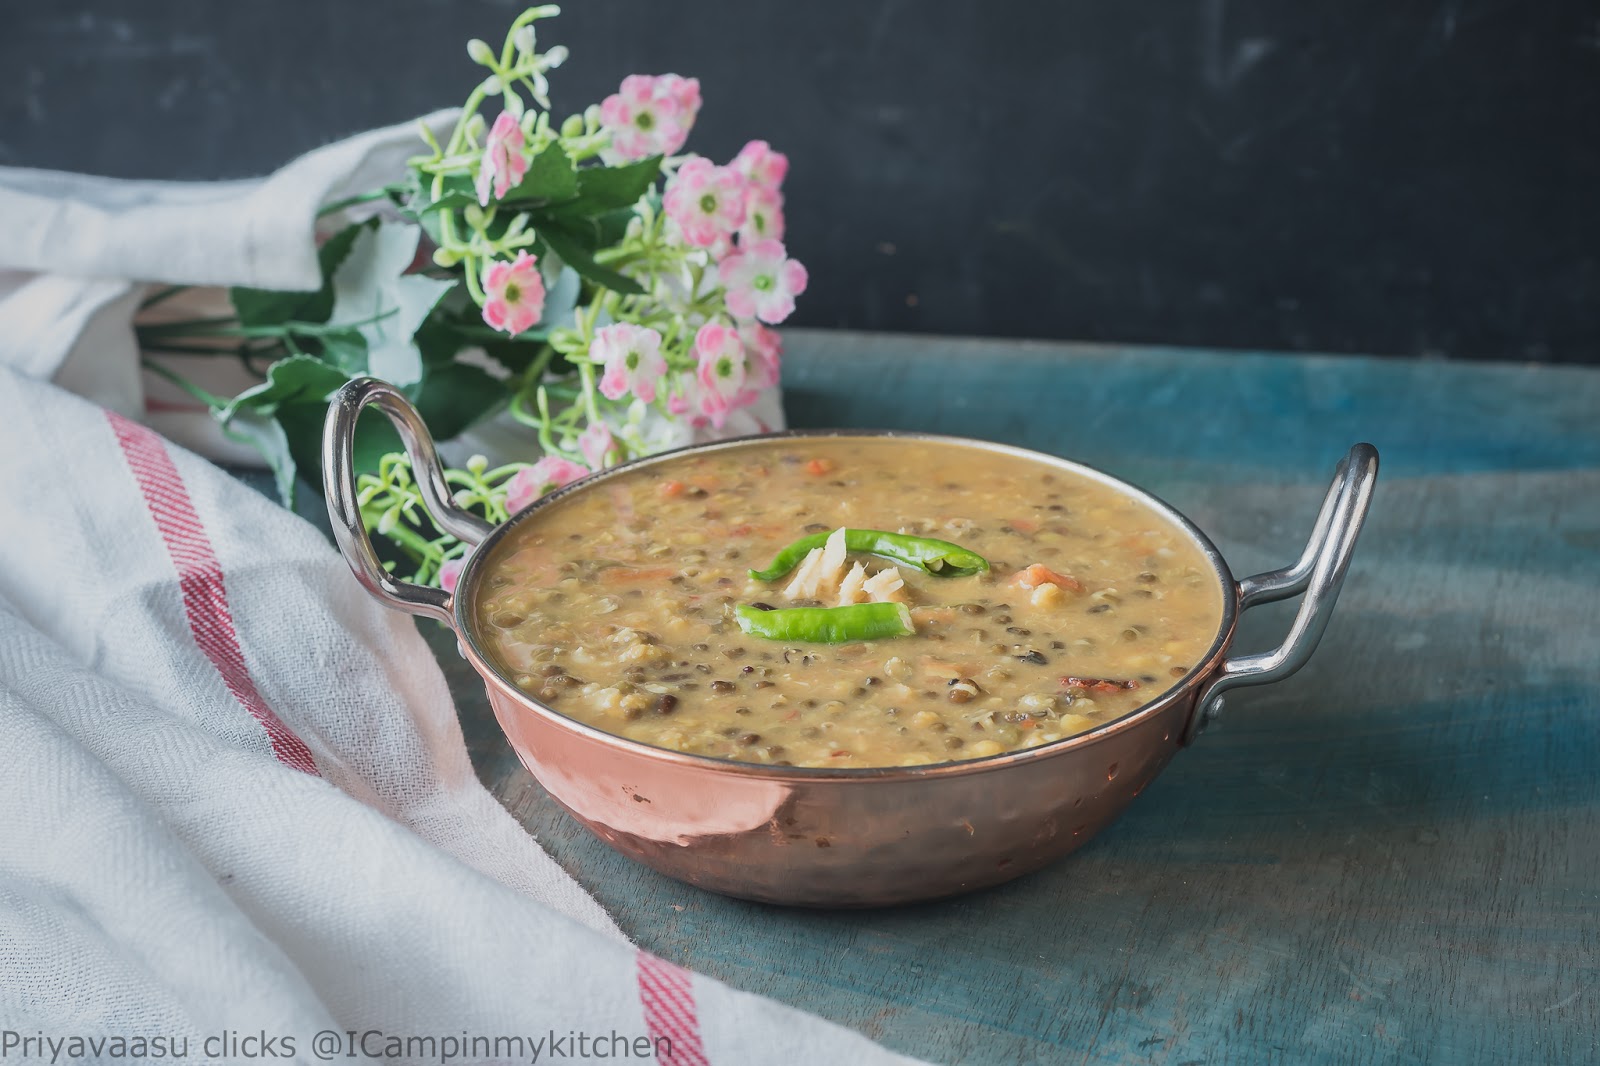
669, 1012
205, 598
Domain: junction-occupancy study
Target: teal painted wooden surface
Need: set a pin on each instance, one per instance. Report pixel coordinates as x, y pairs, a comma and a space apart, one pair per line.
1392, 857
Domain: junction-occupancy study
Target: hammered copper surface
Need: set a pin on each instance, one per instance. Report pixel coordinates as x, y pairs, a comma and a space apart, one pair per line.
895, 837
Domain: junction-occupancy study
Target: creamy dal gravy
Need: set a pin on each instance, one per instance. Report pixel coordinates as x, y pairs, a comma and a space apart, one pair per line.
614, 605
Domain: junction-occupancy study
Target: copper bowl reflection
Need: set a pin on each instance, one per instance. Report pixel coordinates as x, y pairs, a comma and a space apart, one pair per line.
856, 837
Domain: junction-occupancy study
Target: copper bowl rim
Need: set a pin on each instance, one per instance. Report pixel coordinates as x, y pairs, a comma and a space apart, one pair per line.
466, 633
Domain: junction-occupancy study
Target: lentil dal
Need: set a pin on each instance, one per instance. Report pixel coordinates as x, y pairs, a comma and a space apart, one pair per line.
616, 606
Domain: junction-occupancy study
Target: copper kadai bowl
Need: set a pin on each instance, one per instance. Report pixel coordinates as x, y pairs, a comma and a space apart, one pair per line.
838, 837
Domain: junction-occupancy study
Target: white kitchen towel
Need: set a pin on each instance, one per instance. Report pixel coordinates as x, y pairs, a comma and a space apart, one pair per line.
78, 254
236, 804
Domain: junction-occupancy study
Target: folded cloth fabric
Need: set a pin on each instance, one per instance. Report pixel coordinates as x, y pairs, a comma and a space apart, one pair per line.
236, 800
79, 253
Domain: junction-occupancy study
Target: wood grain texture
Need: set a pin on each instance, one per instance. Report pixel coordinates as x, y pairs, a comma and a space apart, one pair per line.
1392, 857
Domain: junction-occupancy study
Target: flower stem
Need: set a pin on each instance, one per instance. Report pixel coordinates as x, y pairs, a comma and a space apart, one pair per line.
586, 372
188, 325
469, 273
162, 295
536, 369
217, 328
361, 198
468, 109
410, 541
192, 350
183, 383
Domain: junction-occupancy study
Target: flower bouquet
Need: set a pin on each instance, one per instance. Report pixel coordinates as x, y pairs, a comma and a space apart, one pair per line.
584, 278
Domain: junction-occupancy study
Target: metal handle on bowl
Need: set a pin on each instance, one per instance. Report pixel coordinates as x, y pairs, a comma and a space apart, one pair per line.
1319, 573
344, 512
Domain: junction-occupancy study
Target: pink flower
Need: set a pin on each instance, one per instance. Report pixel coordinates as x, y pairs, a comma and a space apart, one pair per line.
762, 281
706, 201
513, 294
687, 401
764, 351
547, 475
701, 406
503, 163
763, 215
684, 93
450, 573
678, 402
720, 371
764, 167
596, 444
632, 358
649, 116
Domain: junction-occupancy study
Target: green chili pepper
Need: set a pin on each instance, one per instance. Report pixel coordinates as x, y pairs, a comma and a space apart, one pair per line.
926, 554
827, 625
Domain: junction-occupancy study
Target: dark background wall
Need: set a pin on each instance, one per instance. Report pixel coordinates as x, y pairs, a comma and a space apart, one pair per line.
1384, 176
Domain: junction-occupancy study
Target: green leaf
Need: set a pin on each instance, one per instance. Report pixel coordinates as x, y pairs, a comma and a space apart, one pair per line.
455, 192
456, 395
438, 339
282, 419
374, 295
457, 323
599, 231
264, 307
413, 196
302, 427
418, 207
268, 307
393, 354
432, 226
611, 226
514, 355
297, 378
267, 436
346, 350
551, 178
561, 300
569, 245
602, 189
